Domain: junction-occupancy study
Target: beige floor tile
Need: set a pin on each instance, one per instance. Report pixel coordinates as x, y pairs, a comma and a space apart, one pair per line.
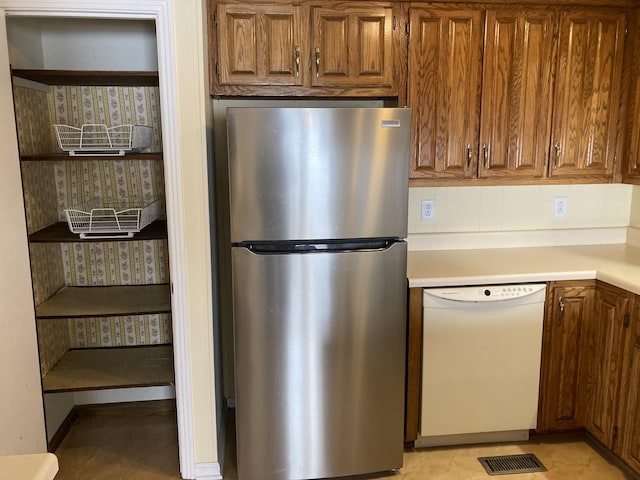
141, 444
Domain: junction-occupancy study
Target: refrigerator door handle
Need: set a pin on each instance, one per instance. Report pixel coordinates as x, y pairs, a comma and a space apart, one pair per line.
266, 248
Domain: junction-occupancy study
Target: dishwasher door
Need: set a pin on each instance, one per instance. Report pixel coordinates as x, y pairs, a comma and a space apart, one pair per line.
481, 363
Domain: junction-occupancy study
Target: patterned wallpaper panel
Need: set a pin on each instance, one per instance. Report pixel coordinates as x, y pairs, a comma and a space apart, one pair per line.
34, 120
77, 105
116, 263
40, 196
120, 331
78, 182
46, 272
53, 341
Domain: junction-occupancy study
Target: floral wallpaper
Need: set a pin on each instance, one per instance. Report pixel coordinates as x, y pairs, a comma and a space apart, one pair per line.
115, 263
77, 105
40, 196
33, 119
51, 186
79, 181
120, 331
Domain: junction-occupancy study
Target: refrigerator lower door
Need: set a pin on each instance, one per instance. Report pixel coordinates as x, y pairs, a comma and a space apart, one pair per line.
320, 354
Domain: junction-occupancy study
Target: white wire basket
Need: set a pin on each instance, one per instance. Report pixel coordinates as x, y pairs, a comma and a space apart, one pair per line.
99, 218
93, 138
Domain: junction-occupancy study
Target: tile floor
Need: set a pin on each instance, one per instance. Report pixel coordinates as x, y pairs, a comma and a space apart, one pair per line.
141, 444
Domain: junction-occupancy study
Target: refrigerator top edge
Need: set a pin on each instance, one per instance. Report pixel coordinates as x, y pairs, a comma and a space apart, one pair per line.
318, 173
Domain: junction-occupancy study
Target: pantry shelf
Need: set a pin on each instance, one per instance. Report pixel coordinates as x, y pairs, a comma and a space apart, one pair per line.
56, 157
91, 78
107, 301
106, 368
60, 233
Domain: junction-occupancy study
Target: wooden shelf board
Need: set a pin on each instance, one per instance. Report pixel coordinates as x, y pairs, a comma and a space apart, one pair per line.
57, 157
97, 77
107, 301
60, 233
105, 368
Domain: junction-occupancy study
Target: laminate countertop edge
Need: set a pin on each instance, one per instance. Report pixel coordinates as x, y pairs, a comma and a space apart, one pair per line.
37, 466
616, 264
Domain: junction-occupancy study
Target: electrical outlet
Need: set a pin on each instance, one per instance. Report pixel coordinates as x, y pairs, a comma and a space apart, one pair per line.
560, 207
428, 210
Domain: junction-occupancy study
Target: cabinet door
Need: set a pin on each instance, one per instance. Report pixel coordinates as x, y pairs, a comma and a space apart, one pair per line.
516, 105
352, 45
587, 100
568, 305
631, 163
606, 343
630, 414
259, 44
445, 61
632, 158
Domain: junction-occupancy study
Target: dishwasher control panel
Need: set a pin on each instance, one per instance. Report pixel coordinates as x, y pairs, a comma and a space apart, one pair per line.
486, 293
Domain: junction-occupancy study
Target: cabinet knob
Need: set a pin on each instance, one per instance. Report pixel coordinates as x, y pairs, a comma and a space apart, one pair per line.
317, 62
296, 53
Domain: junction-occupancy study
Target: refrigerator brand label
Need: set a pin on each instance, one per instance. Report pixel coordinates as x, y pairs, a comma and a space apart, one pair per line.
390, 123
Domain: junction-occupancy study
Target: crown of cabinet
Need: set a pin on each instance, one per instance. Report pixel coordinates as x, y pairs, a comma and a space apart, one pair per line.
333, 48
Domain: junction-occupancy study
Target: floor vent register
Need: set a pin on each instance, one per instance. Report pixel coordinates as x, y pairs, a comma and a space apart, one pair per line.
512, 464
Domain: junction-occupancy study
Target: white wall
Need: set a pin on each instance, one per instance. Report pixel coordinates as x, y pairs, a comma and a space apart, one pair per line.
79, 44
635, 207
21, 415
518, 208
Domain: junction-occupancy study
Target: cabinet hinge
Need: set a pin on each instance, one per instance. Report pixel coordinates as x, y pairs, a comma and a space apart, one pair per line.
555, 31
407, 28
217, 70
395, 23
626, 321
626, 28
215, 18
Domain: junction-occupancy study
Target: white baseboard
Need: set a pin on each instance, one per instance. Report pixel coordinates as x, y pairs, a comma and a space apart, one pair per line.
208, 471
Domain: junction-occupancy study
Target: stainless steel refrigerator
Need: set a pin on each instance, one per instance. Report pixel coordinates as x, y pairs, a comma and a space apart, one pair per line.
318, 200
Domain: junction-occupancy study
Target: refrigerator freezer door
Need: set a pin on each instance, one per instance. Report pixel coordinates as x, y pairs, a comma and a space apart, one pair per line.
318, 173
320, 352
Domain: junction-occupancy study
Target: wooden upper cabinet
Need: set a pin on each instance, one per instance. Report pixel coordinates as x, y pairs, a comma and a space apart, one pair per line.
352, 45
331, 48
516, 89
259, 44
445, 64
588, 93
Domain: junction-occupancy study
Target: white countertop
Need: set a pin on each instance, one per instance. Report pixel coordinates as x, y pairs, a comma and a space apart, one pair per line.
616, 264
39, 466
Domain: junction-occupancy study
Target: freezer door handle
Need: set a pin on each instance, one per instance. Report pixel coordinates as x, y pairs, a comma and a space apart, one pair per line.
267, 248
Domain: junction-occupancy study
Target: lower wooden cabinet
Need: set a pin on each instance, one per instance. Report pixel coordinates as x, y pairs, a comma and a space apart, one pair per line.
561, 405
605, 349
629, 416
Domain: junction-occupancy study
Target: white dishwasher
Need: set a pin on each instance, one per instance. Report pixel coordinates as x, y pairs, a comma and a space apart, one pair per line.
480, 363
